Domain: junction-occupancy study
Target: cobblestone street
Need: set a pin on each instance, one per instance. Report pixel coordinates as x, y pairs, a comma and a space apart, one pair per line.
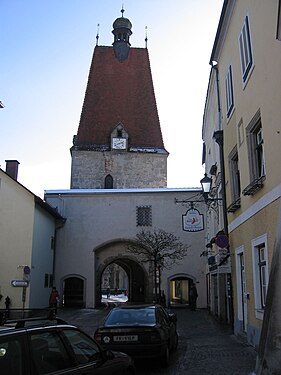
204, 346
210, 349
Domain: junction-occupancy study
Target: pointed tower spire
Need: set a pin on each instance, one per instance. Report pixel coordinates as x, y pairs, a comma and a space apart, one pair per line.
97, 36
145, 37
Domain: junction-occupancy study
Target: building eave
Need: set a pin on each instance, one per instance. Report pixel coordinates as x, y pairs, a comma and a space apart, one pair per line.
225, 16
88, 192
37, 199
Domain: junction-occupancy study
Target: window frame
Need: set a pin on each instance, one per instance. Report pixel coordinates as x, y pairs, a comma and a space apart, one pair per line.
229, 92
234, 172
241, 282
246, 50
144, 216
255, 151
46, 280
278, 28
260, 281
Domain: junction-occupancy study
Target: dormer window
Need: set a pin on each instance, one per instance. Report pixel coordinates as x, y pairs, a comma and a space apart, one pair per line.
119, 138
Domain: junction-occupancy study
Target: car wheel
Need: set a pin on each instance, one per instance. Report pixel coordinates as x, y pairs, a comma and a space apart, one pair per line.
165, 359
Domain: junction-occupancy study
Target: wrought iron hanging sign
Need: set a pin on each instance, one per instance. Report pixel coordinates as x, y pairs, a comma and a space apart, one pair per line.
192, 221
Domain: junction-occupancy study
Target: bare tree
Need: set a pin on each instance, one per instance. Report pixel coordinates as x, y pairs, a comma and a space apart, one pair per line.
159, 248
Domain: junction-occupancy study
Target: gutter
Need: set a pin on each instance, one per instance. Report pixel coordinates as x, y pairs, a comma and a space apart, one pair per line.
218, 33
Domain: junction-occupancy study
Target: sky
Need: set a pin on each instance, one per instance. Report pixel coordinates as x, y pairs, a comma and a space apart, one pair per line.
46, 52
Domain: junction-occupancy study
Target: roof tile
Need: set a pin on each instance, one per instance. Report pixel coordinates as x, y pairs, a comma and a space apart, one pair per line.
120, 92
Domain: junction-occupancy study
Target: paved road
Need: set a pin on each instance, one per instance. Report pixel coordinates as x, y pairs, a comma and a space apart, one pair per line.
204, 347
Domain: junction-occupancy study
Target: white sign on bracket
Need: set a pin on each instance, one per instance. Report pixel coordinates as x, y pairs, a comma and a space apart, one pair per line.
19, 283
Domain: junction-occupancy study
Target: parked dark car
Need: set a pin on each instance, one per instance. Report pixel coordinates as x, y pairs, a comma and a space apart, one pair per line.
35, 346
140, 331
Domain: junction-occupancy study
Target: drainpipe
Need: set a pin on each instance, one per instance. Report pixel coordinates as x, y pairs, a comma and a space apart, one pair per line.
215, 67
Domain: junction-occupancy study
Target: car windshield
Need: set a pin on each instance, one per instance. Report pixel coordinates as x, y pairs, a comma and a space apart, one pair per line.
131, 317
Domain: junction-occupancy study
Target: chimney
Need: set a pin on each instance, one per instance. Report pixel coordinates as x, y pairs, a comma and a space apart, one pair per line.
12, 168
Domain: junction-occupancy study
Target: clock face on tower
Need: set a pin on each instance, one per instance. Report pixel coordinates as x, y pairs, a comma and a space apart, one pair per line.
119, 143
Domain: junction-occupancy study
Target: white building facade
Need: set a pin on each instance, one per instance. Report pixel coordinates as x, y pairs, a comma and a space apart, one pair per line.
101, 223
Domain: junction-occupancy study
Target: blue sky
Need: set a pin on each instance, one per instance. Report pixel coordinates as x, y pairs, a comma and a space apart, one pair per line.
46, 52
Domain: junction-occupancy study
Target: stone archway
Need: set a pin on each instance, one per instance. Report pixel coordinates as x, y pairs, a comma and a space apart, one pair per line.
178, 288
73, 291
140, 289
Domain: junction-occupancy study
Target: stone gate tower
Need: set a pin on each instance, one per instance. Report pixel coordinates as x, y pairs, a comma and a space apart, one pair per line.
119, 142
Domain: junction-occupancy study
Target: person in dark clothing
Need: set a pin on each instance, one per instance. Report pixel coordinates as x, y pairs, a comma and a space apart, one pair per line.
54, 298
193, 297
7, 302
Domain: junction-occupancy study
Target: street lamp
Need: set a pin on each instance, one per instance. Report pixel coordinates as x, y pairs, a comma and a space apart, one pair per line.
206, 184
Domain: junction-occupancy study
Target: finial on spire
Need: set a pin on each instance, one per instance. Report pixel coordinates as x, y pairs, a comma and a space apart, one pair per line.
146, 37
122, 10
97, 37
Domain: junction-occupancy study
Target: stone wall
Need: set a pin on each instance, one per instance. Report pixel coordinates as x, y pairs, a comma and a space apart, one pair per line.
128, 169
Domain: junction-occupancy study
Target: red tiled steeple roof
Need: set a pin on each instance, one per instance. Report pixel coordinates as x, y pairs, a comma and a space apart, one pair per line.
119, 92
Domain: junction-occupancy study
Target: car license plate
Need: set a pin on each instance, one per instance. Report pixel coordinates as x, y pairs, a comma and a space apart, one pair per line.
126, 338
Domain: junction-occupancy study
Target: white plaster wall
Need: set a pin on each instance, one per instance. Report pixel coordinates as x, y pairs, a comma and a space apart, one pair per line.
97, 217
42, 258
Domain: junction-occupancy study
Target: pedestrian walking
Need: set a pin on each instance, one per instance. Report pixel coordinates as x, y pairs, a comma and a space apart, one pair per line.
193, 294
7, 302
54, 298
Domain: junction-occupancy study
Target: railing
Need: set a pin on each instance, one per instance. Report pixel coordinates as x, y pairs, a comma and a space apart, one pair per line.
254, 186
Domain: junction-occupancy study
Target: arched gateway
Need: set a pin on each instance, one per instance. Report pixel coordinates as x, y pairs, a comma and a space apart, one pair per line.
178, 288
140, 283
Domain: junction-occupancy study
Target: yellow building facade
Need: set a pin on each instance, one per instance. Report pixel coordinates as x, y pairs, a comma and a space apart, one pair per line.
28, 227
246, 62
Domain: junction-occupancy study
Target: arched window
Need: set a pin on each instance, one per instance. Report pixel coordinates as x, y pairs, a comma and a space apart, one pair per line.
108, 182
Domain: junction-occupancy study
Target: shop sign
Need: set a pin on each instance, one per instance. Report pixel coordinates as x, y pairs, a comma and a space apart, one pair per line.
193, 221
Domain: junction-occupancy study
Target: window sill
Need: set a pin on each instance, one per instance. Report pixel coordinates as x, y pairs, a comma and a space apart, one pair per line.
254, 186
234, 205
259, 314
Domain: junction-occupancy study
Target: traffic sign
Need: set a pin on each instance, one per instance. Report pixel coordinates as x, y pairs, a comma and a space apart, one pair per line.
19, 283
222, 241
26, 270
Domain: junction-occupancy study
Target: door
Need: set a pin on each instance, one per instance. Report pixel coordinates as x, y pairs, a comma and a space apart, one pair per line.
243, 294
73, 292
